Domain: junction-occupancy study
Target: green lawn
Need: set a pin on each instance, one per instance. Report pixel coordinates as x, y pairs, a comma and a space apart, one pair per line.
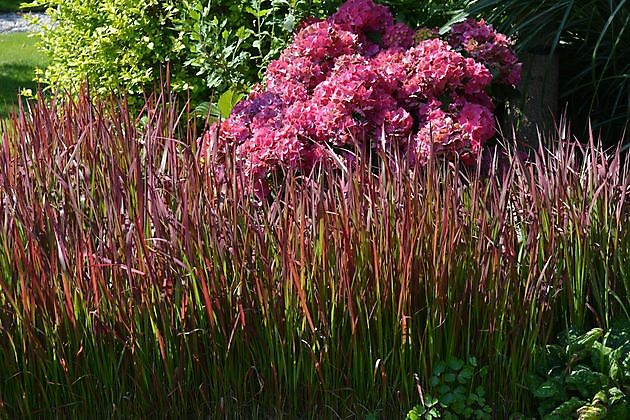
10, 5
18, 59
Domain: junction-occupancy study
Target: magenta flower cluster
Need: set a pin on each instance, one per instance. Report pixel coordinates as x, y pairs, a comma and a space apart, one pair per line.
359, 77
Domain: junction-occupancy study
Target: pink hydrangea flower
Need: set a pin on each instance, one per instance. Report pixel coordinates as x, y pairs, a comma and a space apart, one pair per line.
360, 78
397, 125
481, 42
398, 37
437, 133
432, 67
361, 16
308, 60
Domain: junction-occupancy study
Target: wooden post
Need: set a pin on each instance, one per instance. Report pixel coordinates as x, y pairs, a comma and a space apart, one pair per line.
537, 110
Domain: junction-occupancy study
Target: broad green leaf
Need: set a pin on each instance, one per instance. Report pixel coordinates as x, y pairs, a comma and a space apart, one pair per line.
430, 401
257, 13
480, 391
434, 381
416, 413
584, 342
568, 408
443, 389
458, 407
585, 380
591, 412
227, 101
447, 399
455, 363
600, 397
439, 368
616, 395
548, 389
289, 23
600, 356
465, 375
450, 377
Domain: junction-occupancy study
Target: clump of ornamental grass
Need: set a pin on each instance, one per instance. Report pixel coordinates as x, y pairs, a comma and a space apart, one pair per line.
359, 78
134, 284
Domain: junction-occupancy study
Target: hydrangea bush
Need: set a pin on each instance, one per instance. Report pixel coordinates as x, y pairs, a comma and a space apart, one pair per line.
359, 78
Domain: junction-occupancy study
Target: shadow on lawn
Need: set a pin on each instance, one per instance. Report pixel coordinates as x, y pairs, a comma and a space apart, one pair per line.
13, 78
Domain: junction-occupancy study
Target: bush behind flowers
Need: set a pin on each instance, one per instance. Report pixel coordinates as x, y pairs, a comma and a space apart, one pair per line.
359, 78
122, 46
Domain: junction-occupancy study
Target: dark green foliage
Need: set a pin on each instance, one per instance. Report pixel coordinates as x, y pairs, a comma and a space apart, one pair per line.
228, 44
587, 376
592, 38
7, 6
431, 14
451, 393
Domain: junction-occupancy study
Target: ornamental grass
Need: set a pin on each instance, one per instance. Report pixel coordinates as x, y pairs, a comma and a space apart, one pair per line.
134, 284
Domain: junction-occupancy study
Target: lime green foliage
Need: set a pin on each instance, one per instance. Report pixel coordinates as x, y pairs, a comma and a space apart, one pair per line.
18, 59
588, 376
116, 45
452, 395
123, 45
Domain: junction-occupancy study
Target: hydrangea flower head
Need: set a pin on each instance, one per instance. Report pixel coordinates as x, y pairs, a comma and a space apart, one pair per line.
361, 78
480, 41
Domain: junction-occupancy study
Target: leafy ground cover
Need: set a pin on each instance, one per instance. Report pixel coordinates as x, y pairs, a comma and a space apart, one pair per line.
18, 60
585, 375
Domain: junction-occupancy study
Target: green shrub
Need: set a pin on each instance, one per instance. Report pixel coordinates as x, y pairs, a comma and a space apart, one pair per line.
115, 45
228, 44
121, 46
586, 377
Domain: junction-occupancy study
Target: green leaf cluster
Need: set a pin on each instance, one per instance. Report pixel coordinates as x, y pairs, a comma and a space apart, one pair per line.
209, 46
431, 13
221, 109
228, 44
587, 377
124, 46
452, 393
114, 45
